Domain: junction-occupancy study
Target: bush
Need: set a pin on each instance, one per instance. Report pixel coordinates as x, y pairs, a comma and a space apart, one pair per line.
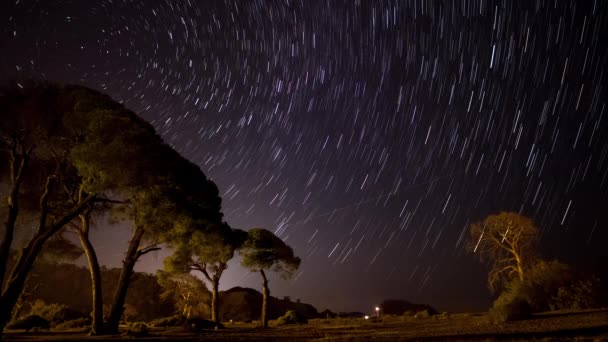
54, 312
580, 295
426, 313
510, 306
291, 317
30, 322
171, 321
551, 285
74, 323
137, 329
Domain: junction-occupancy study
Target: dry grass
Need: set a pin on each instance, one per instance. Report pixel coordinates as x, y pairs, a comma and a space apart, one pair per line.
588, 325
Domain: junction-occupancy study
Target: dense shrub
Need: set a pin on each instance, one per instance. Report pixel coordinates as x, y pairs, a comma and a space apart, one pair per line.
137, 329
54, 312
29, 323
510, 307
551, 285
582, 294
291, 317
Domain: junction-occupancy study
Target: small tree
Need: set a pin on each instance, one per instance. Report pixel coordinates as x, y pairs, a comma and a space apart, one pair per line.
186, 291
506, 241
265, 251
206, 251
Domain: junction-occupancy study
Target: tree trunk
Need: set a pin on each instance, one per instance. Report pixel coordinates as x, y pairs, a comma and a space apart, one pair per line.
123, 282
95, 272
13, 210
520, 268
265, 295
7, 241
215, 307
16, 281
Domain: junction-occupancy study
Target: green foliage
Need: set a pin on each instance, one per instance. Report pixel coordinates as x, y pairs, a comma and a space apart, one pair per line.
552, 285
85, 147
549, 285
292, 317
582, 294
204, 249
137, 329
510, 306
542, 281
54, 312
265, 251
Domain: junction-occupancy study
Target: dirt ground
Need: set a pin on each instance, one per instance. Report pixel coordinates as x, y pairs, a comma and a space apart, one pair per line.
591, 325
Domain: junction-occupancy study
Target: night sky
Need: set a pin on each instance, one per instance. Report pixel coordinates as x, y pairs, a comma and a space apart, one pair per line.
367, 134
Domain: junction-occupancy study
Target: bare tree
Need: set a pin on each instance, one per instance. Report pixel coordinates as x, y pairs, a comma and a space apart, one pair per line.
506, 241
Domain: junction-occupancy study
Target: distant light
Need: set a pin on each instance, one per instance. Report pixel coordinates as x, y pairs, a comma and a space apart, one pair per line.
377, 308
366, 317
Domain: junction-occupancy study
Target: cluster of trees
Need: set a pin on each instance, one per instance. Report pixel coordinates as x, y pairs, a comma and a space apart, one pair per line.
523, 280
209, 253
69, 154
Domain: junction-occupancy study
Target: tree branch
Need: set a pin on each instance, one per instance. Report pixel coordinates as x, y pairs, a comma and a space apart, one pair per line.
147, 250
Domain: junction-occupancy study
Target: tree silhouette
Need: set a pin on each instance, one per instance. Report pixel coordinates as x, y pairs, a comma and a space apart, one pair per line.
44, 151
68, 148
507, 242
177, 197
265, 251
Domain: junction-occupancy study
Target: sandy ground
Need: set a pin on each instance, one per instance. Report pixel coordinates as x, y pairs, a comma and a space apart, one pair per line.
591, 325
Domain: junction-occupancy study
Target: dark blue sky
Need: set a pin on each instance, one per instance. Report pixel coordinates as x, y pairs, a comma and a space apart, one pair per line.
367, 134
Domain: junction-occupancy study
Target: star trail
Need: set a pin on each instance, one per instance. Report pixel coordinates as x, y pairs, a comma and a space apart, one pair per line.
366, 134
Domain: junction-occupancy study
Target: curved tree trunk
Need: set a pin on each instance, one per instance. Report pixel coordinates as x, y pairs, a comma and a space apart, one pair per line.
215, 305
16, 281
123, 282
265, 295
16, 178
95, 272
520, 268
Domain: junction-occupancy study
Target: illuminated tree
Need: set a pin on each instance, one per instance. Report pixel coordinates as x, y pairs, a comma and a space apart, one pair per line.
208, 252
265, 251
52, 136
188, 292
67, 149
177, 197
506, 241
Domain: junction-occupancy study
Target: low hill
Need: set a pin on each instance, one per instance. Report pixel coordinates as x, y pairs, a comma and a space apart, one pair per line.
243, 304
399, 307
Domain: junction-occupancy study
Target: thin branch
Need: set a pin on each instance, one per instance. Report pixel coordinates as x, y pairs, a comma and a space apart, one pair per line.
147, 250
